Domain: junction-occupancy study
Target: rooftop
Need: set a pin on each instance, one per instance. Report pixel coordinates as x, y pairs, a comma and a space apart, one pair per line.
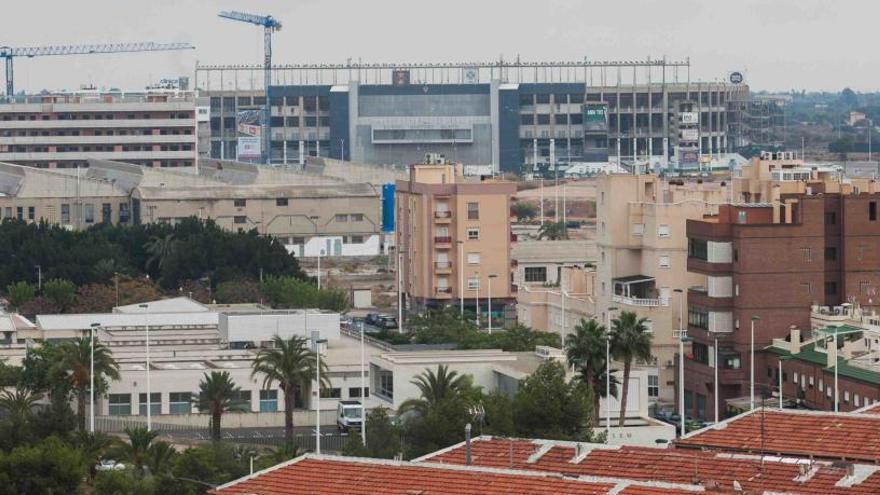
809, 354
172, 305
814, 434
311, 474
697, 468
562, 251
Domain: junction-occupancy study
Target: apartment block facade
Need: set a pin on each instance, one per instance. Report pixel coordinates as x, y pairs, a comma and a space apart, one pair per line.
769, 263
66, 130
453, 236
642, 254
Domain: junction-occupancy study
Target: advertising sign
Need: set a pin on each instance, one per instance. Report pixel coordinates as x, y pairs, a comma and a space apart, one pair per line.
690, 118
400, 77
250, 124
736, 77
690, 134
595, 117
688, 156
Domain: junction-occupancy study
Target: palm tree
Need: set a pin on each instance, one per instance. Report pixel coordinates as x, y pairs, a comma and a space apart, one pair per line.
75, 361
434, 388
159, 457
218, 394
630, 341
19, 405
553, 231
291, 364
585, 349
160, 250
137, 450
93, 447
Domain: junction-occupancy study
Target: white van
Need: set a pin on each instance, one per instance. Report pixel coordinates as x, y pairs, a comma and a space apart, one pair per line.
349, 414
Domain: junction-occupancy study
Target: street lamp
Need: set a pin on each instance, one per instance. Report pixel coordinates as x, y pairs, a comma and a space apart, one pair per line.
491, 276
400, 290
39, 279
608, 373
460, 269
318, 343
149, 405
92, 330
681, 338
752, 365
477, 300
363, 389
320, 253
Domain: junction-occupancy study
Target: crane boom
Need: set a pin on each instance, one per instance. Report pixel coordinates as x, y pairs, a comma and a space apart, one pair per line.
9, 53
270, 25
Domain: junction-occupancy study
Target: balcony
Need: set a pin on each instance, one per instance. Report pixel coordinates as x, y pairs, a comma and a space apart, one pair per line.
641, 302
442, 216
443, 241
698, 265
442, 267
443, 291
699, 296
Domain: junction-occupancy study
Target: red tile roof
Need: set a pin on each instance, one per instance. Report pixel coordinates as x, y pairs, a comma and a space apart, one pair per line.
314, 475
686, 467
821, 435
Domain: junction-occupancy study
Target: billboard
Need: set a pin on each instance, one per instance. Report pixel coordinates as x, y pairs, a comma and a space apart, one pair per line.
690, 118
595, 117
736, 77
250, 126
400, 77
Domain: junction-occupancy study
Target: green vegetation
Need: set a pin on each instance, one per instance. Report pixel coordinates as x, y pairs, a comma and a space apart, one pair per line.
383, 437
524, 211
554, 231
630, 341
290, 292
74, 362
585, 349
217, 395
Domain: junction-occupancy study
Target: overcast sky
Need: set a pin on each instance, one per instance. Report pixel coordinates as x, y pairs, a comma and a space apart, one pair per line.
781, 44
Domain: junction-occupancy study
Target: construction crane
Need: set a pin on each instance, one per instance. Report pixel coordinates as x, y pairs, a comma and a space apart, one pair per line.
10, 53
270, 25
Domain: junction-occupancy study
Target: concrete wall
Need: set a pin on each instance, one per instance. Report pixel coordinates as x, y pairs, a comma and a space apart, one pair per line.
262, 327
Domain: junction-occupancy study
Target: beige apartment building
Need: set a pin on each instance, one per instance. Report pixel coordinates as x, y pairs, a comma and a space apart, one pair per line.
561, 307
66, 130
643, 259
454, 240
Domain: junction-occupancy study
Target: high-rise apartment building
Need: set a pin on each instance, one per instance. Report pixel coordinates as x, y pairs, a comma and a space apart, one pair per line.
66, 130
453, 237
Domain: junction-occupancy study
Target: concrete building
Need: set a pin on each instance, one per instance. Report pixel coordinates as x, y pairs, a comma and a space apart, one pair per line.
540, 262
66, 130
643, 254
453, 235
310, 214
511, 115
561, 306
774, 261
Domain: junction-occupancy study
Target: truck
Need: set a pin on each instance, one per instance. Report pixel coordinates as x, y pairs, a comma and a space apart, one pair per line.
349, 415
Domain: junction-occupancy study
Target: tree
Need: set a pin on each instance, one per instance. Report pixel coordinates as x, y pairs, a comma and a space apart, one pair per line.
160, 249
523, 211
61, 293
20, 293
238, 291
553, 231
849, 98
291, 364
101, 297
383, 437
546, 406
50, 466
123, 483
630, 341
93, 447
75, 361
18, 405
290, 292
442, 326
435, 388
585, 350
137, 450
218, 394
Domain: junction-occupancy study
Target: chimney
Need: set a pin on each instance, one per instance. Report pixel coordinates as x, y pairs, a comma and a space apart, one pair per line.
467, 444
795, 345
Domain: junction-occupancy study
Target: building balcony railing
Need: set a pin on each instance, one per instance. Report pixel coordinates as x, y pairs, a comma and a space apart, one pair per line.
442, 214
442, 267
637, 301
442, 239
443, 291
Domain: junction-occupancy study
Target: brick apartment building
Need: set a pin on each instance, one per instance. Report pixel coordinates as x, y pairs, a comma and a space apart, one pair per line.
773, 261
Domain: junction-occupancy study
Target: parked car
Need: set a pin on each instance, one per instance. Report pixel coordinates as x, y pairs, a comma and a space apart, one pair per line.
349, 414
381, 320
109, 465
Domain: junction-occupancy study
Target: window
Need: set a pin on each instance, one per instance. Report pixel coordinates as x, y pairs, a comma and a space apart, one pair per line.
536, 273
31, 213
155, 404
543, 119
331, 393
90, 213
663, 230
663, 261
807, 254
741, 217
355, 392
872, 211
241, 401
527, 119
831, 254
356, 239
473, 210
386, 385
180, 403
794, 377
701, 353
830, 288
239, 219
807, 287
830, 218
124, 214
731, 361
239, 203
474, 283
698, 248
281, 202
698, 318
828, 391
268, 400
473, 234
846, 396
342, 217
653, 386
821, 385
856, 400
473, 258
638, 229
357, 217
106, 213
120, 404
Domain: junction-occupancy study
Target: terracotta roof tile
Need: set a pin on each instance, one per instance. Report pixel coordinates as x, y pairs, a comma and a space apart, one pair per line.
822, 435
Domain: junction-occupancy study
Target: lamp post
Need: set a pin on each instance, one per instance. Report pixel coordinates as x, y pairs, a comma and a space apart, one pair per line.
681, 334
477, 300
92, 330
717, 364
39, 279
320, 253
491, 276
149, 405
752, 365
460, 269
363, 390
318, 343
562, 296
836, 362
400, 291
608, 373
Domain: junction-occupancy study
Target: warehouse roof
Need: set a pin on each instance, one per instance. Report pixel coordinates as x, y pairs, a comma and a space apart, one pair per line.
172, 305
330, 475
266, 191
84, 322
818, 434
